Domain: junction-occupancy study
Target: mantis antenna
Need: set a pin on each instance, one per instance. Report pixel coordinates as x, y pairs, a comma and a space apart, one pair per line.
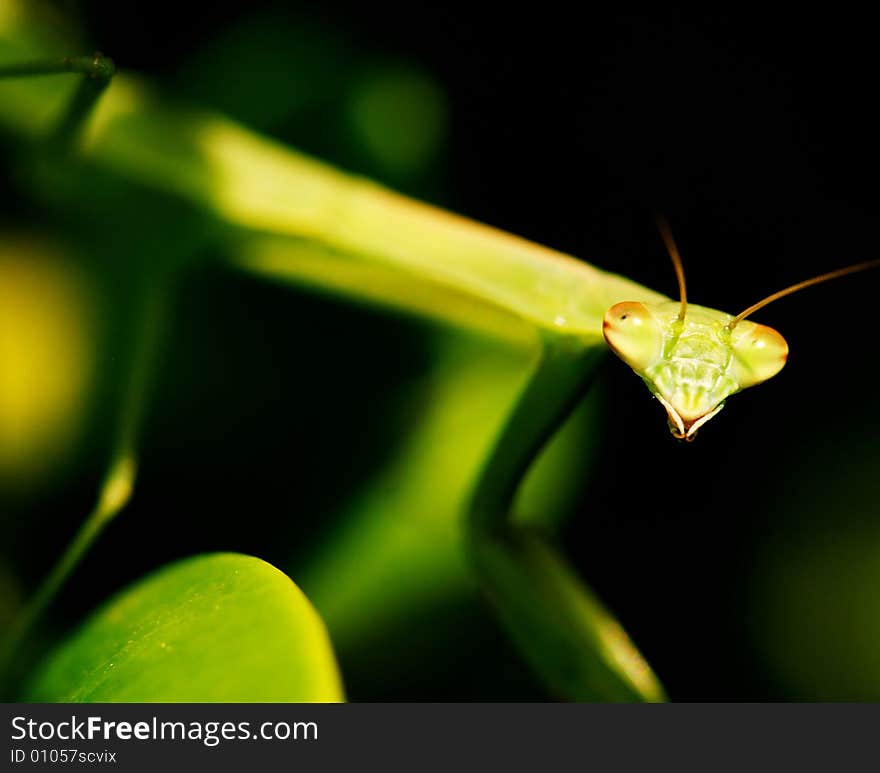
669, 241
864, 266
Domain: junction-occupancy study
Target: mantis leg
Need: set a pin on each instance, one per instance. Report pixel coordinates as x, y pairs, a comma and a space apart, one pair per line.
97, 72
560, 628
115, 490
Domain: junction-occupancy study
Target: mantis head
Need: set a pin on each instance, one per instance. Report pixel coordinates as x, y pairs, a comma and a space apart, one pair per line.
692, 365
693, 358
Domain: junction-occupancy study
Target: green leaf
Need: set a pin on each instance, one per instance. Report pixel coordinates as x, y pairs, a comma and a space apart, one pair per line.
213, 628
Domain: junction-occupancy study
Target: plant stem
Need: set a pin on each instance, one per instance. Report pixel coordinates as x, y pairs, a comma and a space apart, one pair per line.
559, 626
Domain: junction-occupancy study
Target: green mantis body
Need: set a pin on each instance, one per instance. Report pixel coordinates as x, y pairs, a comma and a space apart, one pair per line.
287, 217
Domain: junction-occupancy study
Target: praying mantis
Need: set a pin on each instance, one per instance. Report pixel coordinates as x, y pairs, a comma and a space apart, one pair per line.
291, 217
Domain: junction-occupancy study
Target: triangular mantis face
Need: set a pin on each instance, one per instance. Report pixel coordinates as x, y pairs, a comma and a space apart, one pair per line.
693, 358
692, 365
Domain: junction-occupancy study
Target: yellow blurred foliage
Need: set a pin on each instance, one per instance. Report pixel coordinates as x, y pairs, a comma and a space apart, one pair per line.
46, 356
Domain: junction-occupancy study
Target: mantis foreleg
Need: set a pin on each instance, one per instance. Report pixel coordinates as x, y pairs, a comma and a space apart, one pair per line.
560, 628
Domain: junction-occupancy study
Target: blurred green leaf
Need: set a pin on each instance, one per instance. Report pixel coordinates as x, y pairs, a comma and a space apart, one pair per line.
288, 70
399, 116
213, 628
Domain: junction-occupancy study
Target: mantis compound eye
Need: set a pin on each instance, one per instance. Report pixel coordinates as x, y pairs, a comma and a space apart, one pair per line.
634, 334
759, 353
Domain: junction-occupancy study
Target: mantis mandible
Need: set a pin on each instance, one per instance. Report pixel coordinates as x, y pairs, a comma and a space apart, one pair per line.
290, 216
